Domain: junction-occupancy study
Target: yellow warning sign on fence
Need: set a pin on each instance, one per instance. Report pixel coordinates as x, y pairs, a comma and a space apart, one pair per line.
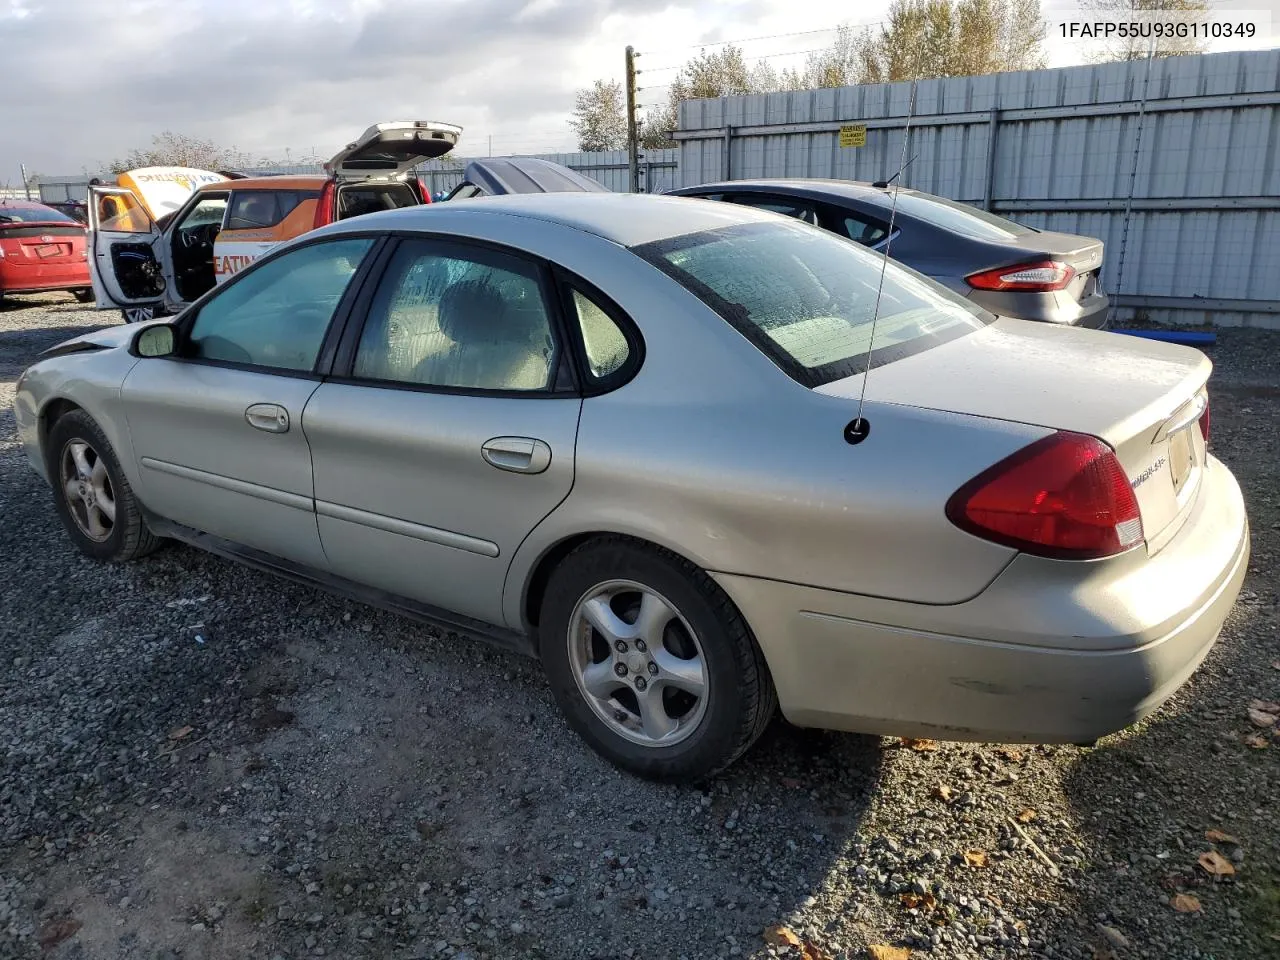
853, 135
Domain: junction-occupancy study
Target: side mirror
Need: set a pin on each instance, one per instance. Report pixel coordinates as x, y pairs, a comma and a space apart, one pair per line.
157, 341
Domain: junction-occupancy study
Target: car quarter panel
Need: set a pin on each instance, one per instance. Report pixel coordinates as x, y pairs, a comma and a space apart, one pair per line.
1052, 651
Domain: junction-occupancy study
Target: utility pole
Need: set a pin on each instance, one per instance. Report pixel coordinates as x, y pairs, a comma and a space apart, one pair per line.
633, 139
26, 184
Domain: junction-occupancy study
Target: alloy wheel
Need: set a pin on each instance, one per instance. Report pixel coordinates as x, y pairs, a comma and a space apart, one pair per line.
638, 663
87, 488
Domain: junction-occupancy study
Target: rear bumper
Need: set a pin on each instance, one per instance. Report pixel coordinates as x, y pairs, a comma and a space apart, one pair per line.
36, 279
1111, 650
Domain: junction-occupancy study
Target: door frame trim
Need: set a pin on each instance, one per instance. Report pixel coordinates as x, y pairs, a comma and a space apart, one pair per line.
406, 528
256, 490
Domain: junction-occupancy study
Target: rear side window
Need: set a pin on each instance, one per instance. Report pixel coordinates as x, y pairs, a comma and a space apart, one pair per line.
959, 217
451, 316
866, 232
800, 209
604, 343
361, 198
807, 298
251, 209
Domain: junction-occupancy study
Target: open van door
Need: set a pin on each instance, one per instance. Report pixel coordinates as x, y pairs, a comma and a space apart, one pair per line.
124, 265
390, 150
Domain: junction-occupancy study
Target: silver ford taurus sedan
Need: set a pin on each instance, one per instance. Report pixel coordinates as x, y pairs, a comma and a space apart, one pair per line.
622, 433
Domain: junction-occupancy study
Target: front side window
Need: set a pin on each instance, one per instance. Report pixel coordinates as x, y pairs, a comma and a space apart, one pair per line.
277, 315
121, 212
807, 298
458, 317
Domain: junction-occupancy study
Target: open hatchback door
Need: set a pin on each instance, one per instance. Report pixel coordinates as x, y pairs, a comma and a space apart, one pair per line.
389, 151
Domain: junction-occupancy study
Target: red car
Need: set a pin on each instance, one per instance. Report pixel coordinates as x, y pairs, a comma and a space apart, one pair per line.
41, 249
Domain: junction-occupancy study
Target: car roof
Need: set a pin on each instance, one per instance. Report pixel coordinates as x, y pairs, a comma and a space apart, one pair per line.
852, 189
298, 182
627, 219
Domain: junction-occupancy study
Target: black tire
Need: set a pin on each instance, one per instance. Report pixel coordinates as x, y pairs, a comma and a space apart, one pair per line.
83, 296
740, 698
127, 537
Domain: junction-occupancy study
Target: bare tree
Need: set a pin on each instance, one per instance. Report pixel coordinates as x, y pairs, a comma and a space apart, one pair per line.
600, 116
170, 149
924, 39
1135, 48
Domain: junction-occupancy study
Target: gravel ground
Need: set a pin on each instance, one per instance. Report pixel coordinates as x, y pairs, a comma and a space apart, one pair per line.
200, 761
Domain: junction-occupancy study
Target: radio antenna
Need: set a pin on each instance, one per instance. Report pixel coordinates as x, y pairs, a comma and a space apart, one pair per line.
859, 429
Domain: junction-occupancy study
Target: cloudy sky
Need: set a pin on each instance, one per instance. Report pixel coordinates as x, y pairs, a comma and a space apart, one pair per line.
86, 80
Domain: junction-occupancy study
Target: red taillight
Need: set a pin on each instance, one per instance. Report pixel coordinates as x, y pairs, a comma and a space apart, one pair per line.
1065, 496
1042, 275
326, 205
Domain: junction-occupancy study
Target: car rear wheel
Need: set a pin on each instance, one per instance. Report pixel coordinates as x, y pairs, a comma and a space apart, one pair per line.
651, 663
92, 494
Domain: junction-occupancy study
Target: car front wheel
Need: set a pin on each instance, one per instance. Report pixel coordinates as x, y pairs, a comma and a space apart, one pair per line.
651, 662
92, 494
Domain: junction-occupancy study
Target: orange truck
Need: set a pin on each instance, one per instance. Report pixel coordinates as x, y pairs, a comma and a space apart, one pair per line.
163, 237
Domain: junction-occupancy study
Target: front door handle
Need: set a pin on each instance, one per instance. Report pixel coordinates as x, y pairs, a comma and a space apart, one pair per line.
270, 417
517, 454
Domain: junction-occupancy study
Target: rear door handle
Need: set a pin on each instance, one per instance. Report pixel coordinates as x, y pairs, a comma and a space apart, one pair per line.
517, 454
270, 417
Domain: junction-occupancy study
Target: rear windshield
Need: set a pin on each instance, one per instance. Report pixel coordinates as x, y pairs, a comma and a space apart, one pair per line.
807, 298
32, 213
958, 217
361, 198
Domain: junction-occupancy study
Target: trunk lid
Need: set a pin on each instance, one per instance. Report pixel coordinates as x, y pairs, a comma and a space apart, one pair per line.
1142, 397
392, 149
42, 243
498, 176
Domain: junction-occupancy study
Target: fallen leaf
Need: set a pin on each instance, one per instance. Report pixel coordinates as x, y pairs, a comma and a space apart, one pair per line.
1217, 836
1257, 740
920, 745
1010, 754
56, 931
177, 733
1215, 864
1266, 706
942, 792
975, 858
791, 783
781, 937
811, 951
1026, 816
880, 951
913, 901
1275, 665
1113, 936
1185, 903
1260, 718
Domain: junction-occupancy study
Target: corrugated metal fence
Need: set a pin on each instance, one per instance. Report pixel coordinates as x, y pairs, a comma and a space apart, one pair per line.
1196, 169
